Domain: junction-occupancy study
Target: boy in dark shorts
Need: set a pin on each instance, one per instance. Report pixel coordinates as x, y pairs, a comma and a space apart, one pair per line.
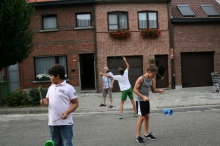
142, 87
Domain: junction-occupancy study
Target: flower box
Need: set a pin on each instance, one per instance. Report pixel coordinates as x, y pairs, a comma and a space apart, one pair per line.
43, 77
120, 34
150, 33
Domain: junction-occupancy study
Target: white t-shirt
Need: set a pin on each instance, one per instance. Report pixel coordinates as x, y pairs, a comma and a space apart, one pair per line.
123, 81
60, 96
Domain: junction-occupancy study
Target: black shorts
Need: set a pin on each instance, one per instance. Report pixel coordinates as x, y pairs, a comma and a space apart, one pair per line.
143, 107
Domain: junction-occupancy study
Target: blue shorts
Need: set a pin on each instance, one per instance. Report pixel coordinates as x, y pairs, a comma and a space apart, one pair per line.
62, 135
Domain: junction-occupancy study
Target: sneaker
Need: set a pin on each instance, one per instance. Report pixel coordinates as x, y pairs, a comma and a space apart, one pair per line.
139, 140
149, 136
120, 117
135, 115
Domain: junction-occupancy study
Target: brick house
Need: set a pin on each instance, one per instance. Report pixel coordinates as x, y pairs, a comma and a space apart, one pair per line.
64, 33
133, 16
75, 33
195, 41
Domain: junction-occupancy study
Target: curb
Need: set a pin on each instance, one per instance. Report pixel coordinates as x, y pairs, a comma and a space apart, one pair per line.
23, 111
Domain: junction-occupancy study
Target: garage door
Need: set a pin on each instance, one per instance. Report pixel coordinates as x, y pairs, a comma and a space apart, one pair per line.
135, 71
196, 69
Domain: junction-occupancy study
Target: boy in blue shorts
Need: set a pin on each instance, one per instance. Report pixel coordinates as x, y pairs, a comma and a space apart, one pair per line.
142, 87
61, 100
125, 87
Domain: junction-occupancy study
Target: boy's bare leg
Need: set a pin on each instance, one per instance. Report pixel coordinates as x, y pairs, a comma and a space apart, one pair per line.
121, 107
134, 107
146, 123
139, 124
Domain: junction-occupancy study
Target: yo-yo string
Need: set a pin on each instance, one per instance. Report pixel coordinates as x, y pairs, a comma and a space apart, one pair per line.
44, 122
157, 96
113, 59
112, 63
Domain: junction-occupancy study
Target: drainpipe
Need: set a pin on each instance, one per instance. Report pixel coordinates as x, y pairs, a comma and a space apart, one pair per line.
170, 27
95, 51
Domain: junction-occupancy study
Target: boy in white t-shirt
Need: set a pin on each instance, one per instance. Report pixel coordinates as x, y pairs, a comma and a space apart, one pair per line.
61, 100
125, 87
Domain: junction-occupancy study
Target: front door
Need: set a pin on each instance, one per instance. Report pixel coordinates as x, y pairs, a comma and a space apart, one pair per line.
87, 72
13, 77
162, 75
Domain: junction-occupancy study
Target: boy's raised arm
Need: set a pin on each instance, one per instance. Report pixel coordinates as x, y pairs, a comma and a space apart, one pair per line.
126, 63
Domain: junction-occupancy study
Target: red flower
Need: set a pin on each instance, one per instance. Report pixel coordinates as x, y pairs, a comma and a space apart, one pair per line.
121, 34
150, 32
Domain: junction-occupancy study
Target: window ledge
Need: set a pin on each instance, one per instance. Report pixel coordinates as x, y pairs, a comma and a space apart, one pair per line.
49, 30
88, 27
46, 81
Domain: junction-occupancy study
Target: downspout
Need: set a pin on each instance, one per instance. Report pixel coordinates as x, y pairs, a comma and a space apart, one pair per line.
95, 51
170, 27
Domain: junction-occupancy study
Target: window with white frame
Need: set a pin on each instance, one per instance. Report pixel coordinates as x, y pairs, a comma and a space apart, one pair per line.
83, 20
117, 20
43, 64
147, 20
49, 22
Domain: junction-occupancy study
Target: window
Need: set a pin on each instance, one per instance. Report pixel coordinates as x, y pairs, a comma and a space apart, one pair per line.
147, 20
117, 20
186, 11
83, 20
50, 22
43, 64
209, 10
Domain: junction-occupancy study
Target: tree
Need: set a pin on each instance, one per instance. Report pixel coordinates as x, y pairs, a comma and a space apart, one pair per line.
16, 35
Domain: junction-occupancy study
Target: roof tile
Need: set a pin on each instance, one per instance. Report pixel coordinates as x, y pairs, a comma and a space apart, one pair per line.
195, 5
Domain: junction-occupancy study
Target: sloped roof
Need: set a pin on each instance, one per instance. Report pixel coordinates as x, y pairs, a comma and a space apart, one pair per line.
195, 5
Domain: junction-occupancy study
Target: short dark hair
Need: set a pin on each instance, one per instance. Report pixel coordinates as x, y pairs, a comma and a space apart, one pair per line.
57, 69
152, 68
121, 71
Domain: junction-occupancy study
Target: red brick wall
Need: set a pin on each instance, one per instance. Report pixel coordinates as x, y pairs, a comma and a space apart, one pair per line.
135, 45
195, 38
66, 41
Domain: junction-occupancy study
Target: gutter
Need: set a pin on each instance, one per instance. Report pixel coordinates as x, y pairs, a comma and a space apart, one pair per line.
170, 26
61, 2
95, 51
132, 1
195, 20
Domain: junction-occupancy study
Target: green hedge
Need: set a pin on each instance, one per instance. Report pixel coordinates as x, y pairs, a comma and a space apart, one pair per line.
35, 96
20, 97
16, 98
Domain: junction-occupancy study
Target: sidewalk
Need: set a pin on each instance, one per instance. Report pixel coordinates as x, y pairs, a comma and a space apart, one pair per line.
174, 98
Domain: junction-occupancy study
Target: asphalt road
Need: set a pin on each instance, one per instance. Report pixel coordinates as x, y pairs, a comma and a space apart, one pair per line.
196, 126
